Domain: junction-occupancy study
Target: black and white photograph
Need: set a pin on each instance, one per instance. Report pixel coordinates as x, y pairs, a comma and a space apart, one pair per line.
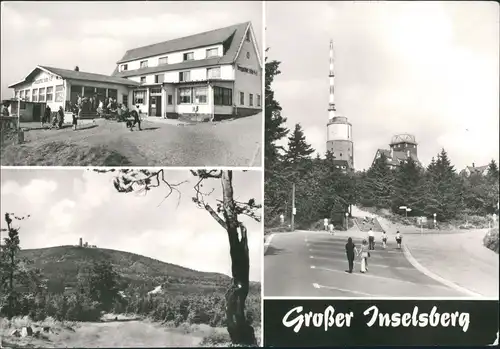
130, 258
142, 83
382, 152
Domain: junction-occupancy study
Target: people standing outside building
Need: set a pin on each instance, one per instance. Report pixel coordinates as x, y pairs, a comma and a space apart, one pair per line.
371, 239
364, 253
60, 117
76, 114
351, 252
398, 239
384, 239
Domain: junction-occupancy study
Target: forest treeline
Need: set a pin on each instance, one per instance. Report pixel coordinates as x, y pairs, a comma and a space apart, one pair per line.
322, 190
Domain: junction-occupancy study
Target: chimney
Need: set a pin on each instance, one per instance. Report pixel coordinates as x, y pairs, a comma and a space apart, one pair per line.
473, 165
77, 68
81, 242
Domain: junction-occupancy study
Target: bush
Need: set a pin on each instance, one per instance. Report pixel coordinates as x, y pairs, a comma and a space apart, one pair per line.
490, 240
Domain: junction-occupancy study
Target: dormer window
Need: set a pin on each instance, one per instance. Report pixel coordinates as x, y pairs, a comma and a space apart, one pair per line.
247, 37
213, 52
144, 64
163, 61
124, 67
188, 56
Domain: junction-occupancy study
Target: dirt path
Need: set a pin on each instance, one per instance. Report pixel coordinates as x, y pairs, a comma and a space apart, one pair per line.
116, 334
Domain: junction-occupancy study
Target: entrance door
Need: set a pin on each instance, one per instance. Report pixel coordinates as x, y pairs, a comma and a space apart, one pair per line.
155, 105
37, 112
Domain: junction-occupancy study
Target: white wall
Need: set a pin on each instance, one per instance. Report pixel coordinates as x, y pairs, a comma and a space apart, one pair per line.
246, 82
43, 80
173, 58
197, 74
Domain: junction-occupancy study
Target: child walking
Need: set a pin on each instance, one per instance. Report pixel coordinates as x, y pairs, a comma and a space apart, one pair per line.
365, 254
398, 239
384, 239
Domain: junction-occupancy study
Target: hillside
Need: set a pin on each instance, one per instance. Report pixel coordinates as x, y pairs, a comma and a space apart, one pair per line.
61, 265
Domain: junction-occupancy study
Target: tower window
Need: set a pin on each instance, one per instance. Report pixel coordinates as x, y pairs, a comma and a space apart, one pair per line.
340, 154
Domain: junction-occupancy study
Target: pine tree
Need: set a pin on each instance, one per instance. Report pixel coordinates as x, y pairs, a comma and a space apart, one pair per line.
298, 148
406, 184
378, 185
493, 174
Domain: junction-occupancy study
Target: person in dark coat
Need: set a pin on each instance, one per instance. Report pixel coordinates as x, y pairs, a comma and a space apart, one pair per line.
60, 117
46, 115
75, 110
351, 252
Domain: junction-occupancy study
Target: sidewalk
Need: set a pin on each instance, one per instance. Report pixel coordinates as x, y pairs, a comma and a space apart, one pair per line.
458, 257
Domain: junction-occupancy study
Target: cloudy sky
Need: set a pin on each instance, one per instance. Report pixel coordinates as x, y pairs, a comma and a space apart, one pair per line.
68, 204
426, 68
94, 35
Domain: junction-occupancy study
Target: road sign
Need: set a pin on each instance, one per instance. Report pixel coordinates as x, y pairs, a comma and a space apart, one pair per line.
294, 211
325, 221
282, 218
402, 207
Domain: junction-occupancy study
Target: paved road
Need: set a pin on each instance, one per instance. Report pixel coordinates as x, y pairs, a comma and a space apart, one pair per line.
228, 143
313, 264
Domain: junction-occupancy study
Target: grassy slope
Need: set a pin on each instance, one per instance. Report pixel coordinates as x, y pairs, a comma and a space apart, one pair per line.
64, 262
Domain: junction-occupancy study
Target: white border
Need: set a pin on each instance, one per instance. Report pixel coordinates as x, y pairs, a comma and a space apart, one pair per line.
263, 103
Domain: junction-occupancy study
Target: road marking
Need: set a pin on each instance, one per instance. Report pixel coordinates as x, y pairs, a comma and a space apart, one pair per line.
378, 277
344, 290
374, 265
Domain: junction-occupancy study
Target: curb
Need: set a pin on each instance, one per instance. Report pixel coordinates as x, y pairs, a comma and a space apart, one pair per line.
436, 277
267, 243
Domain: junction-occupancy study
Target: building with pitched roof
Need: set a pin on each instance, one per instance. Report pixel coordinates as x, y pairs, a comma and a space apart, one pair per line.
401, 148
204, 76
476, 170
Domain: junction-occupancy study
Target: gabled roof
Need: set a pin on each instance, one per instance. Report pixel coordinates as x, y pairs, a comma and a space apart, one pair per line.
77, 75
477, 169
231, 37
212, 37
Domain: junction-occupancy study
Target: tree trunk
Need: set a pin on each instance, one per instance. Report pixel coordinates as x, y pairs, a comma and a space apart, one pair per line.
240, 331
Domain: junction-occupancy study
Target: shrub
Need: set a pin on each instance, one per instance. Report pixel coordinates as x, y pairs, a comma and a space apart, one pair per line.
490, 240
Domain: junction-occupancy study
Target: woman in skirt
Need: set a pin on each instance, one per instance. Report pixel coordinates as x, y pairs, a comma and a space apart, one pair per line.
398, 239
365, 254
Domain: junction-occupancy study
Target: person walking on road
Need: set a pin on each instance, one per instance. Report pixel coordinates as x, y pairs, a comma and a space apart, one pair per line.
351, 251
384, 239
137, 118
330, 228
371, 239
398, 239
365, 254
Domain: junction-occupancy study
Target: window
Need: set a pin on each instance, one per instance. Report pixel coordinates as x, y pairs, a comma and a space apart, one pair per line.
34, 93
50, 93
250, 100
144, 64
223, 96
258, 101
170, 100
188, 56
41, 95
159, 78
21, 94
27, 95
59, 93
139, 97
16, 96
248, 55
125, 100
200, 95
247, 36
213, 73
185, 95
156, 91
213, 52
143, 79
184, 76
162, 60
242, 98
88, 91
124, 67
